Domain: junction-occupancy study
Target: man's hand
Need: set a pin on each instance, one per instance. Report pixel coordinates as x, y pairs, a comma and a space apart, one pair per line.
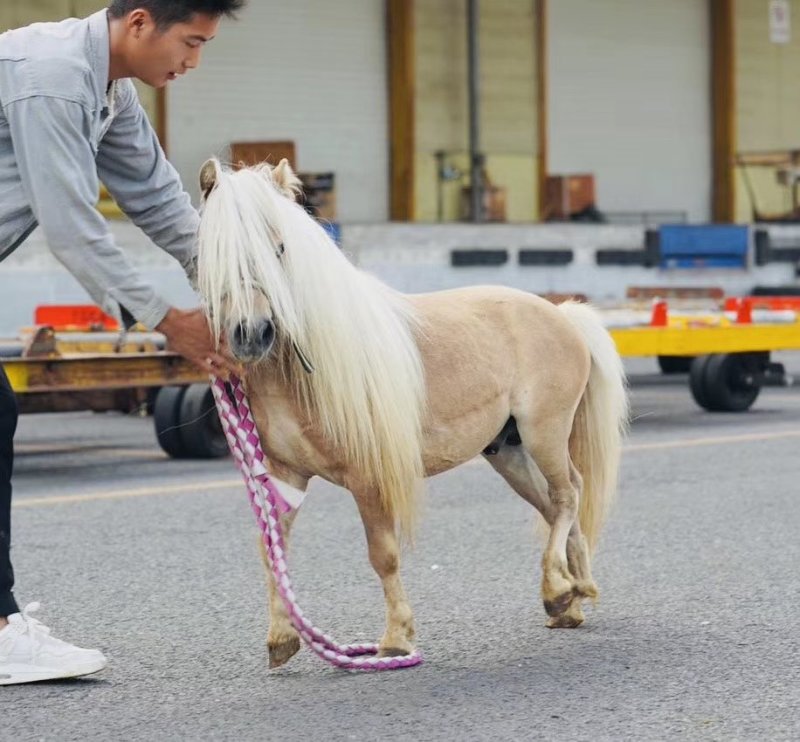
189, 335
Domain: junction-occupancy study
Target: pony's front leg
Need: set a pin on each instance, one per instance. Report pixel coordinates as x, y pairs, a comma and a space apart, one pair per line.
384, 555
283, 641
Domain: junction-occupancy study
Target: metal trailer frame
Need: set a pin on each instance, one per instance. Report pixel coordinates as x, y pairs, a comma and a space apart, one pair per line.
728, 361
158, 382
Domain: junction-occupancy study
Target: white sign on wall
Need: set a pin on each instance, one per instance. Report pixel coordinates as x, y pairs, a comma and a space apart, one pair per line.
780, 22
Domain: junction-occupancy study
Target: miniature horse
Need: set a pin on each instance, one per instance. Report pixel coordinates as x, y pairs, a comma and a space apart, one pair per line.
373, 390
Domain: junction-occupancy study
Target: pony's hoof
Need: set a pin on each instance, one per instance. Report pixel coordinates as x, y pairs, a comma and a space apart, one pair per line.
280, 654
586, 589
559, 605
394, 652
570, 619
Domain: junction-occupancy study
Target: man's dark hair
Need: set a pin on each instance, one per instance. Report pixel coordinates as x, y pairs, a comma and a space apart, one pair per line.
169, 12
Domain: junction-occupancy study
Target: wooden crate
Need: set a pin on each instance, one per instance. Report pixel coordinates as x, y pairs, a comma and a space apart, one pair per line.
319, 195
253, 153
566, 195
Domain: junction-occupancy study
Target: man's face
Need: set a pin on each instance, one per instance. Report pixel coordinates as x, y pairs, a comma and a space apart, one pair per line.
160, 55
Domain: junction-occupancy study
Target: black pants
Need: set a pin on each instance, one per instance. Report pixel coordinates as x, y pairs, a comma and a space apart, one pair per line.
8, 426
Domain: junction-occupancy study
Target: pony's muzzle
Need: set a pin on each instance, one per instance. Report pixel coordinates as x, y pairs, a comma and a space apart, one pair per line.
250, 343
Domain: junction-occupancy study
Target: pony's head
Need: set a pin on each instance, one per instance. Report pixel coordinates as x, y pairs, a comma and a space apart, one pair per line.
270, 275
236, 281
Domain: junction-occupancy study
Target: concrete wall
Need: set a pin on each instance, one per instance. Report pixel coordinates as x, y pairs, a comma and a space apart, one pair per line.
416, 258
413, 258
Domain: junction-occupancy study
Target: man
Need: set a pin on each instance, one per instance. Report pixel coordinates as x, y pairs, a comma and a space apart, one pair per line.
70, 117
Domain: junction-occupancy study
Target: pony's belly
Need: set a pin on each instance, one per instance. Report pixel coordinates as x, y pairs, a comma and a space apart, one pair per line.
448, 444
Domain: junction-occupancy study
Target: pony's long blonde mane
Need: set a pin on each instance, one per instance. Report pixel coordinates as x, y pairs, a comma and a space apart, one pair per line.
367, 391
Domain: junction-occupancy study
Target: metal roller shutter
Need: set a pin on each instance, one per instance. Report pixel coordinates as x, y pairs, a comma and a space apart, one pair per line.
307, 71
629, 101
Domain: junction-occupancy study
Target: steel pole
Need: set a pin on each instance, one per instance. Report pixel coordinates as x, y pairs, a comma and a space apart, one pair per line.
475, 154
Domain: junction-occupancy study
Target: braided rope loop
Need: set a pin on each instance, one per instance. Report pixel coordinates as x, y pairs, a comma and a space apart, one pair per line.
268, 505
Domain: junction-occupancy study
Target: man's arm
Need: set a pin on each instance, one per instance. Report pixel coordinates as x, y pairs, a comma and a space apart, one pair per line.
56, 165
132, 165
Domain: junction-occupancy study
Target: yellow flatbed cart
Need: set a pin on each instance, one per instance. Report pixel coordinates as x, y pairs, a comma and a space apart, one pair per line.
726, 354
156, 381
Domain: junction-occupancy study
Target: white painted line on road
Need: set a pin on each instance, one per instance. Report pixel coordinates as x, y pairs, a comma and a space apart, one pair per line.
175, 489
178, 489
712, 441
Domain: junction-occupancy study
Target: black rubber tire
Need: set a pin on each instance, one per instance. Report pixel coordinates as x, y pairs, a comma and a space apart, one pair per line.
719, 381
166, 419
150, 401
200, 428
726, 386
697, 383
675, 364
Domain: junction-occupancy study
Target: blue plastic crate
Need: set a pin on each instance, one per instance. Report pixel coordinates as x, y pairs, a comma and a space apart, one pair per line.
706, 245
334, 230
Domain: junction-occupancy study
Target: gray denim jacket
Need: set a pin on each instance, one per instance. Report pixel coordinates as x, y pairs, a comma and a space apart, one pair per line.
62, 129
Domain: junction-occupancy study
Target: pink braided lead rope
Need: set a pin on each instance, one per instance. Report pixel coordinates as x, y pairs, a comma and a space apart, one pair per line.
268, 505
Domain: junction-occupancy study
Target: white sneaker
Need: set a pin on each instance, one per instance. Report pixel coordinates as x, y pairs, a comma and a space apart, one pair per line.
28, 653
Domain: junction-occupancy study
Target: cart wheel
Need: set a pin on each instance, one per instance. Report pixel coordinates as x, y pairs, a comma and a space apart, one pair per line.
697, 383
201, 430
675, 364
166, 417
728, 382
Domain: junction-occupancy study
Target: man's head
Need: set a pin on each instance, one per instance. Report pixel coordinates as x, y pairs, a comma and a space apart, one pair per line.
157, 40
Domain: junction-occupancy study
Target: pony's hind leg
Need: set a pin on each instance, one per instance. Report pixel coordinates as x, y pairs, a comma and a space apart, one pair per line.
552, 458
541, 472
579, 565
578, 553
516, 466
384, 555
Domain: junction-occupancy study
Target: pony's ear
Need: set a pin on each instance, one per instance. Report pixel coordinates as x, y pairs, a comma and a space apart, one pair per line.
208, 176
285, 179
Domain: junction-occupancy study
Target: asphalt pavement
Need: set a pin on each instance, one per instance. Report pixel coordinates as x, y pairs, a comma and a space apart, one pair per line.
155, 562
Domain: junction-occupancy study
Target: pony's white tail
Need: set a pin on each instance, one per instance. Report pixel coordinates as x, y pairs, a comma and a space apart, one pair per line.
600, 422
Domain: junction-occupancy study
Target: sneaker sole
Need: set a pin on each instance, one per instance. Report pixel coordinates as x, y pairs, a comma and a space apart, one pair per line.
18, 674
